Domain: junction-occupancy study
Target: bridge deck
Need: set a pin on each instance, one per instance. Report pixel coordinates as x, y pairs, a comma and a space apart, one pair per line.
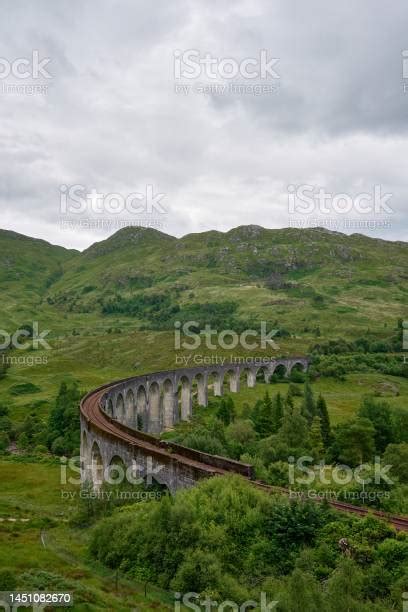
94, 415
92, 412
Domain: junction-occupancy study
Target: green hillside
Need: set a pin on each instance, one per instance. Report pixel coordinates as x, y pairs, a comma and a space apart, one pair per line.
28, 267
299, 280
110, 313
354, 281
110, 310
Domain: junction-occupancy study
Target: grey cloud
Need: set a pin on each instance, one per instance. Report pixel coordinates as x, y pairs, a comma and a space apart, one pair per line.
112, 120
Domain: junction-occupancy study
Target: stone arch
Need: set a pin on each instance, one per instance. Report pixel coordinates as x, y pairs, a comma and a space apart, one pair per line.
248, 376
109, 408
155, 407
120, 408
231, 381
85, 445
168, 404
96, 466
298, 365
141, 403
281, 370
262, 374
130, 408
184, 394
215, 383
85, 458
116, 470
200, 382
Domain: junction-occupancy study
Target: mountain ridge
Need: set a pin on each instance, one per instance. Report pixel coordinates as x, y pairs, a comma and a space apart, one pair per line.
152, 231
136, 259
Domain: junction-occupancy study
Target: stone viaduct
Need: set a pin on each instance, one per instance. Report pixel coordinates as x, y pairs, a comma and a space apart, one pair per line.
120, 422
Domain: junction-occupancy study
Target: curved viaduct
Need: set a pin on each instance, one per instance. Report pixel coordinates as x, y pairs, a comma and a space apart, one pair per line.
119, 421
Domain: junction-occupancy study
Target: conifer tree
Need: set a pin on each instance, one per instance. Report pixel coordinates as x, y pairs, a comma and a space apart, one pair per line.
322, 412
289, 405
226, 410
316, 439
262, 416
308, 404
277, 412
294, 431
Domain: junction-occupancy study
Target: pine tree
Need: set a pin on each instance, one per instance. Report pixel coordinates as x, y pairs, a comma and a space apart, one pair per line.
268, 404
277, 413
246, 412
262, 416
63, 421
316, 438
223, 412
226, 410
322, 412
231, 408
294, 431
289, 405
308, 404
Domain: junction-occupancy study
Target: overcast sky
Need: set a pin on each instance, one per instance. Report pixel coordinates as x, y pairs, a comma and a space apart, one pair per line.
115, 112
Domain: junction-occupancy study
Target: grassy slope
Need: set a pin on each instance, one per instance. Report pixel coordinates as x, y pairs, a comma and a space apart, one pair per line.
32, 491
362, 280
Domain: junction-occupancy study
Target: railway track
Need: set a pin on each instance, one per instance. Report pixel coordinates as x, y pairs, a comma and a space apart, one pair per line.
398, 521
92, 412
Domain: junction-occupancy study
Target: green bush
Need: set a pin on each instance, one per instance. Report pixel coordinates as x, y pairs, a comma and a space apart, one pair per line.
24, 388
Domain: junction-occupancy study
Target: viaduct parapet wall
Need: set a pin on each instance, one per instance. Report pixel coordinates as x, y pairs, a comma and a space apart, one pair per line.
120, 421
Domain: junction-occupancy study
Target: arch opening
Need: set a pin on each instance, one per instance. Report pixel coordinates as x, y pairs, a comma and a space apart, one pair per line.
120, 408
96, 466
141, 403
155, 421
169, 412
280, 371
215, 384
184, 398
130, 409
